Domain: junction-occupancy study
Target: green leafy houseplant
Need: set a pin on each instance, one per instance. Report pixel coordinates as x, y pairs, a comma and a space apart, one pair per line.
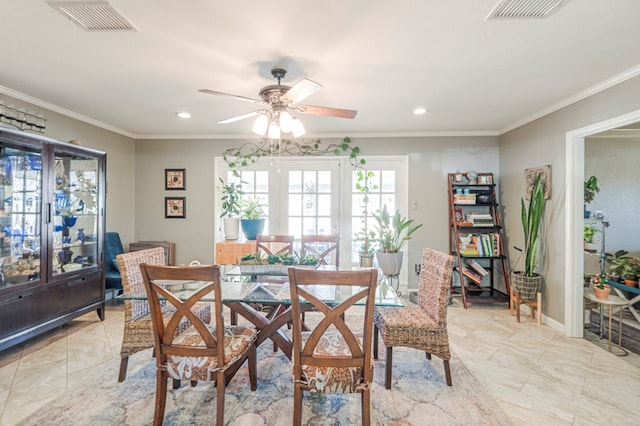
531, 218
251, 209
392, 232
589, 232
231, 194
365, 235
591, 188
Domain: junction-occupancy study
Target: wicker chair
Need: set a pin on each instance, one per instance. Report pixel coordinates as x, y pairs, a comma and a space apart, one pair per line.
138, 334
422, 327
331, 357
203, 352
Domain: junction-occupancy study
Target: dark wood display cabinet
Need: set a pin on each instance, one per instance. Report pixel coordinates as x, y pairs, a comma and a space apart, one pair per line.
52, 221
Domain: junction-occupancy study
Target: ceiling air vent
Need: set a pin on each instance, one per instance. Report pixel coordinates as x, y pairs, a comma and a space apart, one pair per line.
525, 9
93, 15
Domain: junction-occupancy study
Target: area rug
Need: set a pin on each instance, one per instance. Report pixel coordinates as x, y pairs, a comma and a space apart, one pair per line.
419, 396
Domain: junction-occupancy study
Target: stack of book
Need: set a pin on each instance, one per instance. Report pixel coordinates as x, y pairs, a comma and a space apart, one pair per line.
480, 219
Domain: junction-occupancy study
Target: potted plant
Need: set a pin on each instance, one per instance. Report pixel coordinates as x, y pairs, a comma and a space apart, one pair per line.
613, 260
589, 233
365, 235
231, 193
391, 233
252, 221
628, 268
591, 188
528, 282
600, 287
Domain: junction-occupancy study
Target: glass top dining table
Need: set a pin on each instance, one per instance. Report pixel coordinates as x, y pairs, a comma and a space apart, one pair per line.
237, 287
245, 293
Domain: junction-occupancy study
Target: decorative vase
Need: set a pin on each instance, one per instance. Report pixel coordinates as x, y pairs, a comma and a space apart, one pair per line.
601, 293
69, 221
389, 263
528, 287
231, 226
252, 227
80, 235
65, 256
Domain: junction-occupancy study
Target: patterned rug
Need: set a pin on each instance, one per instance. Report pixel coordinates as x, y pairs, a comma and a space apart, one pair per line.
419, 396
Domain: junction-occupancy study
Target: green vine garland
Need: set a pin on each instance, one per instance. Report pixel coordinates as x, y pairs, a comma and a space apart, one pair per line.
250, 152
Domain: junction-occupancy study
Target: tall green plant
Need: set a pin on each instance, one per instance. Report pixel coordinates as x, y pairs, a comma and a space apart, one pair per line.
531, 218
393, 231
231, 194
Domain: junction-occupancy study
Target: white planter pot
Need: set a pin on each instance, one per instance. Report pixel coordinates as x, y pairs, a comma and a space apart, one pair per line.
231, 226
389, 263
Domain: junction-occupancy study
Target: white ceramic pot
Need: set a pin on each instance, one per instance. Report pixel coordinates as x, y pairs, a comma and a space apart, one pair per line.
389, 263
231, 226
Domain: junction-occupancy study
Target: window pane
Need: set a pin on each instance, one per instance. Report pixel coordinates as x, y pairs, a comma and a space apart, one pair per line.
295, 181
324, 226
309, 205
309, 225
295, 227
388, 181
324, 181
262, 181
324, 205
310, 184
295, 205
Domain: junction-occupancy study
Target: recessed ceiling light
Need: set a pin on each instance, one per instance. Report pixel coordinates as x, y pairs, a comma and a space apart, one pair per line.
420, 111
183, 114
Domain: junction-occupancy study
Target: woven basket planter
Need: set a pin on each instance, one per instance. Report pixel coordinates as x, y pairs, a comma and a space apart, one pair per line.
527, 286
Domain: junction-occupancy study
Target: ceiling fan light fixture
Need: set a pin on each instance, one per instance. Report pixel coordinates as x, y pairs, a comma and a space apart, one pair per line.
260, 125
274, 131
297, 128
286, 122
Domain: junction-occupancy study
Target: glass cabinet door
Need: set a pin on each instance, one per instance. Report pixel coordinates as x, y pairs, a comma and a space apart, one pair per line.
75, 213
20, 214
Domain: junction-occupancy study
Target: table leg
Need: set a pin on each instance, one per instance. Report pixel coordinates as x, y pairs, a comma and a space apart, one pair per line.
601, 320
610, 314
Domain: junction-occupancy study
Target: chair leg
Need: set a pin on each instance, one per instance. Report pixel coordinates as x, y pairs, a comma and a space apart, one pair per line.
161, 398
388, 362
252, 359
220, 399
539, 307
124, 361
447, 372
428, 355
366, 407
375, 342
297, 406
517, 301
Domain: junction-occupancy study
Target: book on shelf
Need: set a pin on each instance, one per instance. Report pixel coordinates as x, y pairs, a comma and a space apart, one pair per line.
478, 268
472, 275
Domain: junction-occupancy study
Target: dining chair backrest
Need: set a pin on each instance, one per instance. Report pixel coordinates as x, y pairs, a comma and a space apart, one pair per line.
435, 283
274, 244
325, 247
132, 282
332, 357
204, 352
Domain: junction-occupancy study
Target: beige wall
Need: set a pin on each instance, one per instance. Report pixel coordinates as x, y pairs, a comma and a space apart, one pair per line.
429, 161
120, 163
543, 142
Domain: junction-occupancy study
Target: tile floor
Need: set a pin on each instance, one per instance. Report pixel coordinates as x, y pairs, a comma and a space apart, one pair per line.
537, 375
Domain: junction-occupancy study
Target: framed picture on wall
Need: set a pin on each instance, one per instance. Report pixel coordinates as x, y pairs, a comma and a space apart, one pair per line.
175, 179
175, 207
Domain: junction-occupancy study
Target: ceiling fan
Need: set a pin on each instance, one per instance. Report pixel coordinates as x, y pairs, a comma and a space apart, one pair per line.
281, 104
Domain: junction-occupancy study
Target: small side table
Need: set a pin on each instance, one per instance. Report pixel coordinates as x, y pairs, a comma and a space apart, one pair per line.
611, 301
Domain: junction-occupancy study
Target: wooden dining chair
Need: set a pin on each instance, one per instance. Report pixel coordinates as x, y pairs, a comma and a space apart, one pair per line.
138, 333
331, 357
274, 244
424, 326
204, 352
325, 247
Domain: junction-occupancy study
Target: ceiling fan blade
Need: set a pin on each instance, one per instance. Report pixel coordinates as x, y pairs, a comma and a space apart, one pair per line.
301, 90
239, 117
238, 97
330, 112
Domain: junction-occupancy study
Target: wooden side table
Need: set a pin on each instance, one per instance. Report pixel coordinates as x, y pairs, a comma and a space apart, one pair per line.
228, 252
611, 301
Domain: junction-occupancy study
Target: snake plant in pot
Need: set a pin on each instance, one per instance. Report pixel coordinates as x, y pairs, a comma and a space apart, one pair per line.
528, 281
391, 233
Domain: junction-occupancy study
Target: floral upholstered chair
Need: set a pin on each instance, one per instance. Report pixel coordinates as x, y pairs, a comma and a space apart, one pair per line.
331, 357
422, 327
203, 352
138, 334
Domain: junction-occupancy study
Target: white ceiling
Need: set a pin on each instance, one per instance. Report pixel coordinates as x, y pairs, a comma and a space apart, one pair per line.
382, 58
